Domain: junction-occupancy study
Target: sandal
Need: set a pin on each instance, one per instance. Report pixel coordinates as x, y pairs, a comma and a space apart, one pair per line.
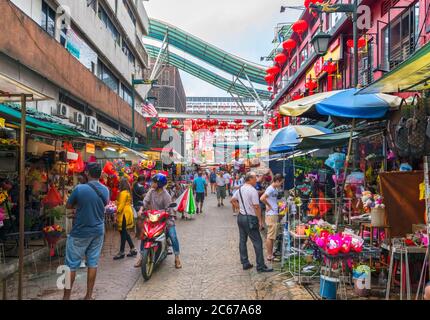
138, 264
178, 264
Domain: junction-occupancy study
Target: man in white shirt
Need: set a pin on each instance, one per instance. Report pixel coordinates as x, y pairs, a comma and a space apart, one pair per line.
220, 189
227, 179
270, 199
250, 222
236, 165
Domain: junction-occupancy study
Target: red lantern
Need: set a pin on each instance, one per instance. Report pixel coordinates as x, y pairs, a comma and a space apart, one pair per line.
296, 96
273, 70
193, 122
269, 88
289, 45
232, 126
238, 121
276, 114
163, 120
194, 128
311, 86
212, 130
158, 124
199, 122
268, 125
280, 58
300, 27
175, 122
214, 122
270, 78
361, 43
250, 121
223, 124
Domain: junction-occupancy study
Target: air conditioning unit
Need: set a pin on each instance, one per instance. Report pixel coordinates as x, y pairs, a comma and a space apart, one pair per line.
91, 124
99, 130
62, 111
78, 118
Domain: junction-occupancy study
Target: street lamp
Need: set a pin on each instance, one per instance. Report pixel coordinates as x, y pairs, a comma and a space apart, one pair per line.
320, 42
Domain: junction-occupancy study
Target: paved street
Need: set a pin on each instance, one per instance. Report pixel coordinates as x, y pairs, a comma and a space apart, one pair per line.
211, 268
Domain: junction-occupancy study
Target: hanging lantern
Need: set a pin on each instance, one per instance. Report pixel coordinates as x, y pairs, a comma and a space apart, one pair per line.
194, 128
270, 78
250, 121
280, 58
158, 124
276, 114
273, 70
199, 122
212, 130
232, 126
311, 85
176, 122
214, 122
238, 121
163, 120
300, 27
361, 43
296, 96
268, 125
289, 45
193, 122
269, 88
223, 124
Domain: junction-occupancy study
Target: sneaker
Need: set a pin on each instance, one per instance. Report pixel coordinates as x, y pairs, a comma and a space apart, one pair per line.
219, 205
266, 269
132, 253
83, 265
119, 256
247, 266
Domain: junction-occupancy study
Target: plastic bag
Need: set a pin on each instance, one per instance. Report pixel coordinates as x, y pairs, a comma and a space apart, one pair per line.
77, 166
109, 168
52, 198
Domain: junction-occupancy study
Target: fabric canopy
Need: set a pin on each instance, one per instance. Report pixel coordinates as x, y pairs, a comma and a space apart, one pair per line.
330, 140
343, 104
285, 139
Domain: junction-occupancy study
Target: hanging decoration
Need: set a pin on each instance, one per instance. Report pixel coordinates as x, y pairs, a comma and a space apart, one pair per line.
176, 122
362, 42
268, 125
223, 124
311, 85
163, 120
289, 45
273, 70
269, 88
212, 130
330, 67
238, 121
296, 96
232, 126
270, 78
280, 58
199, 122
307, 4
249, 121
300, 27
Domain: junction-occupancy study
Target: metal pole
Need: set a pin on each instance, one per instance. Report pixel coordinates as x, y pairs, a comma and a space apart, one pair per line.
132, 111
21, 194
355, 36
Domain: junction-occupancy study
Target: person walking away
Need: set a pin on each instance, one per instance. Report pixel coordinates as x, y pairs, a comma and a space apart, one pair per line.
220, 189
212, 180
200, 186
250, 223
236, 184
138, 193
270, 199
227, 179
125, 219
159, 199
236, 165
86, 237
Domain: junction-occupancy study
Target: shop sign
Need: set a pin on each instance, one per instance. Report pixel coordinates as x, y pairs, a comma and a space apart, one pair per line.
2, 122
90, 148
73, 49
318, 66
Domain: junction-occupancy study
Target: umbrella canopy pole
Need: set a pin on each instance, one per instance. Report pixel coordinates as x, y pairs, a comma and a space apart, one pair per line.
348, 155
22, 138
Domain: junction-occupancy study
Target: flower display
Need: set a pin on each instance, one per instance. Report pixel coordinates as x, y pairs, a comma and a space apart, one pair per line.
52, 235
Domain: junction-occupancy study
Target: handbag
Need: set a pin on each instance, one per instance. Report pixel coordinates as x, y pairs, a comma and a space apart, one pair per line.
253, 222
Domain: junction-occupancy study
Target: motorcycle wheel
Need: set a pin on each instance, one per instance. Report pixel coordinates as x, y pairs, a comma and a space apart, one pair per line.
147, 263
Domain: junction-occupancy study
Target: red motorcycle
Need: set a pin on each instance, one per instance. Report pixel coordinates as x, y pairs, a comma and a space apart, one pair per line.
154, 239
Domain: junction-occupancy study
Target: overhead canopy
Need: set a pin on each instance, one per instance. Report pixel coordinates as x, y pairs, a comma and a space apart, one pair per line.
206, 52
242, 144
329, 140
411, 75
343, 104
10, 86
207, 75
287, 138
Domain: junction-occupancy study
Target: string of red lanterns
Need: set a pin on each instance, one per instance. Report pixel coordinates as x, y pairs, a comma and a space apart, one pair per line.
300, 27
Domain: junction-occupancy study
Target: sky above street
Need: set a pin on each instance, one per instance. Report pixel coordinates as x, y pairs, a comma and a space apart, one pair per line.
241, 27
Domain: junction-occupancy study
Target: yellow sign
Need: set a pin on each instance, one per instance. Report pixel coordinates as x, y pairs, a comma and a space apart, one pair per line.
90, 148
333, 53
153, 155
2, 122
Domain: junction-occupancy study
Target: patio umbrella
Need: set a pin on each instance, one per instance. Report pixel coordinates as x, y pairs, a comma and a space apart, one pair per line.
343, 104
285, 139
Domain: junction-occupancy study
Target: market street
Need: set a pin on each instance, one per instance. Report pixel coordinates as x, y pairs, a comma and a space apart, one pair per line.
211, 268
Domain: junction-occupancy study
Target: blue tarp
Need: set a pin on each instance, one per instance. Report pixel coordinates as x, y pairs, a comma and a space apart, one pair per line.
346, 104
288, 138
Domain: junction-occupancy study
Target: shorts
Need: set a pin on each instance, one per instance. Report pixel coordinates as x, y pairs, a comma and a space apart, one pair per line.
79, 248
200, 196
272, 226
220, 192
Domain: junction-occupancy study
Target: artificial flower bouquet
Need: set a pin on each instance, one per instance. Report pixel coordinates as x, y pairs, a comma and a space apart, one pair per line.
342, 242
111, 208
370, 201
418, 239
318, 226
52, 235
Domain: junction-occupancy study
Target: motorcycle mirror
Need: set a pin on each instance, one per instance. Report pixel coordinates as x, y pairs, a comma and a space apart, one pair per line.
172, 205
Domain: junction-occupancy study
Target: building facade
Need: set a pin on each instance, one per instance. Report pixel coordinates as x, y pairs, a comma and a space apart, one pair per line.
398, 28
221, 105
81, 56
168, 95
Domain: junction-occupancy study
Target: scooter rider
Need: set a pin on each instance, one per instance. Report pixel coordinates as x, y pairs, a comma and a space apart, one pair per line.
158, 198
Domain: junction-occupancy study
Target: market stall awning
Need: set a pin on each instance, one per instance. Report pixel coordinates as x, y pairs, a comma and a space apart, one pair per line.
10, 86
343, 104
411, 75
329, 140
286, 139
240, 144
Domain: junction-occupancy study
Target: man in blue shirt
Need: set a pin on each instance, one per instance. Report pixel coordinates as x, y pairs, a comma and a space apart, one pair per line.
200, 187
86, 238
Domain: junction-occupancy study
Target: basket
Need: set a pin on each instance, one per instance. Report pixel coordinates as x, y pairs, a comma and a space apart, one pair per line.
377, 217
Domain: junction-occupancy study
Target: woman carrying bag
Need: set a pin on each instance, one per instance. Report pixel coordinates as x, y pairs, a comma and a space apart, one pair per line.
125, 219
